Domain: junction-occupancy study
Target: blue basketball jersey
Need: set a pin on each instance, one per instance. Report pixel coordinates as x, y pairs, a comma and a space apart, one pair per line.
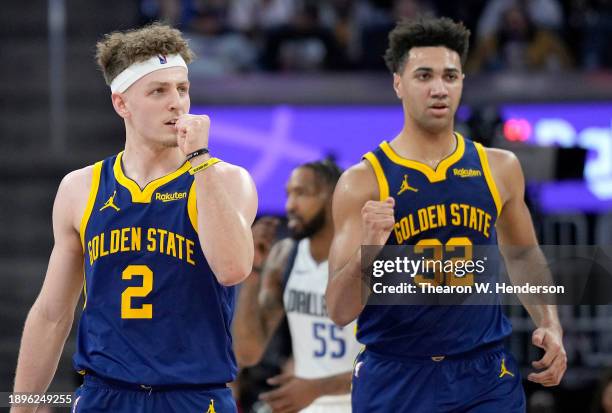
456, 204
154, 312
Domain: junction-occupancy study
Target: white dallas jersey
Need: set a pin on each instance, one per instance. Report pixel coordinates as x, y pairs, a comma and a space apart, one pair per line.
320, 348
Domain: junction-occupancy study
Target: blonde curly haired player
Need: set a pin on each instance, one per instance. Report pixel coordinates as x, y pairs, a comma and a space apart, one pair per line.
162, 231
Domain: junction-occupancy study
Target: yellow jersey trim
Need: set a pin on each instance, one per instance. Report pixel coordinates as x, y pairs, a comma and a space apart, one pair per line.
93, 193
143, 196
84, 287
489, 177
383, 185
192, 207
433, 175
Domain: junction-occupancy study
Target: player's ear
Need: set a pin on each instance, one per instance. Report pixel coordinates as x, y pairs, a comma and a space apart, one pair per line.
119, 103
397, 85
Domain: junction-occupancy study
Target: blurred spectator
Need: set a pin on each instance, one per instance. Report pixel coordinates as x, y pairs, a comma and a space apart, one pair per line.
514, 36
592, 21
466, 11
168, 11
311, 35
410, 9
341, 17
222, 50
306, 44
347, 19
248, 15
375, 34
602, 402
545, 14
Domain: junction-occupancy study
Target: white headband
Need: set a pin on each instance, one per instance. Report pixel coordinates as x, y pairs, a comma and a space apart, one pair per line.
134, 72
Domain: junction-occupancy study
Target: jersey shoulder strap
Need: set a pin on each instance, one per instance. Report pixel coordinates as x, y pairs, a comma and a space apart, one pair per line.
290, 262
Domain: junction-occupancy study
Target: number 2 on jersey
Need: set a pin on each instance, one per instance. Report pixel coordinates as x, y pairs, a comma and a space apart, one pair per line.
320, 332
146, 310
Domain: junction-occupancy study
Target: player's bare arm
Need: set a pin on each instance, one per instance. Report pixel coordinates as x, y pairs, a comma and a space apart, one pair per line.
50, 318
226, 204
260, 304
518, 245
295, 393
360, 218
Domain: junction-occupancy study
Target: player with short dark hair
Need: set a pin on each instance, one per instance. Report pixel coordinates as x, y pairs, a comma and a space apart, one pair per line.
162, 232
433, 189
293, 281
425, 33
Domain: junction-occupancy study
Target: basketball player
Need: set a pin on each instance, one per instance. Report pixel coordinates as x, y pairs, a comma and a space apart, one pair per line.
162, 231
434, 358
293, 282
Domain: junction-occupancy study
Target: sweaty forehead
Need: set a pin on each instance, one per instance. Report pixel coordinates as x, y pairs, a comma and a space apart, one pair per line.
435, 57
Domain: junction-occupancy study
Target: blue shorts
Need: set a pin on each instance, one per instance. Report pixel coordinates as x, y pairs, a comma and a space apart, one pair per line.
481, 382
97, 395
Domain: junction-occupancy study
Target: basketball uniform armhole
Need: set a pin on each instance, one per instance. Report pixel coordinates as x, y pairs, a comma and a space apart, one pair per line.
192, 206
289, 265
93, 193
489, 177
383, 185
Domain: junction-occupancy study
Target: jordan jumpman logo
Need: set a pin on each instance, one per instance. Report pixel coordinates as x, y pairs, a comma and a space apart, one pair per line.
406, 187
111, 202
505, 371
211, 407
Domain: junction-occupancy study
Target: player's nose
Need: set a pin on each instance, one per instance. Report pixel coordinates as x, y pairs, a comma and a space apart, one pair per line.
174, 100
438, 88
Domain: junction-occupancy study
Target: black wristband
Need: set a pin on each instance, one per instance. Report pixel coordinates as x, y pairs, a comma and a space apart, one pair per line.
197, 153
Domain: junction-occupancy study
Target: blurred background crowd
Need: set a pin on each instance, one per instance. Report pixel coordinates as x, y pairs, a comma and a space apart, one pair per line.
340, 35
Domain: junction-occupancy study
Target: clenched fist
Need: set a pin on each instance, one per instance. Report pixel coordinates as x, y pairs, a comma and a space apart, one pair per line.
377, 219
192, 132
